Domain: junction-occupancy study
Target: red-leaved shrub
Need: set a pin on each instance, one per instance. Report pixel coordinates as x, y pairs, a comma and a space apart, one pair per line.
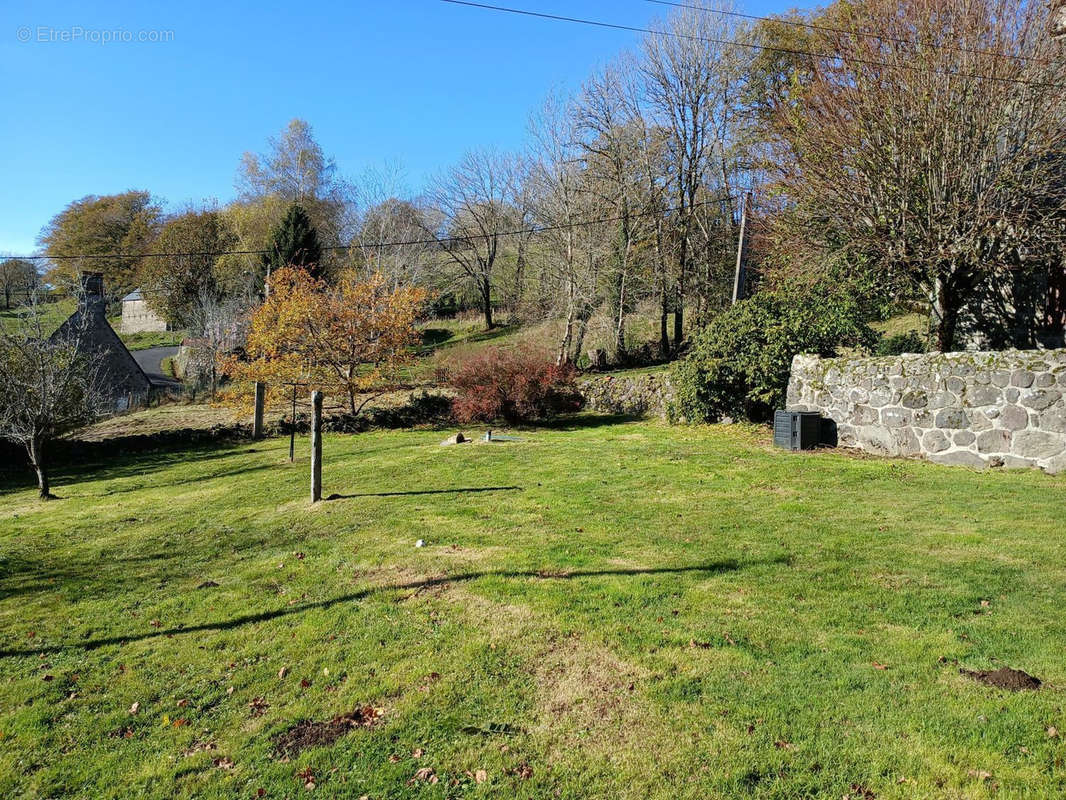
514, 385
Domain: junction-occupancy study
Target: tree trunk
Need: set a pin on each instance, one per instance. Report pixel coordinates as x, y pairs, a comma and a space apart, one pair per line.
620, 320
664, 312
486, 302
679, 308
36, 451
946, 310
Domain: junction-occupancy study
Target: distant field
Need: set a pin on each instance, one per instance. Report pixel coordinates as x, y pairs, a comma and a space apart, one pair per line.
605, 609
55, 314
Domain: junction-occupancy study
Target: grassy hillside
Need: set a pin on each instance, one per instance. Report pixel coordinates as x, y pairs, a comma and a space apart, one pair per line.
602, 610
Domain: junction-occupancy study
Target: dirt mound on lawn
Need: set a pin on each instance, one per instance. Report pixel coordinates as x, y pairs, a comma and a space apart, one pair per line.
308, 733
1004, 678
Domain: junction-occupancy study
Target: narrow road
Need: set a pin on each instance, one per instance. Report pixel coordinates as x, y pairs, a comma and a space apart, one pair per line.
151, 361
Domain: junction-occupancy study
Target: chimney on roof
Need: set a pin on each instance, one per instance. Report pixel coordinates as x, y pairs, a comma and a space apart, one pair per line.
92, 292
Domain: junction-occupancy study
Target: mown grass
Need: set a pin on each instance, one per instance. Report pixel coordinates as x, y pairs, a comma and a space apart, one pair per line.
604, 609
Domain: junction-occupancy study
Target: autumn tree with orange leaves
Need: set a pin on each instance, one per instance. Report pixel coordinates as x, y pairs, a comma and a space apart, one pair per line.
346, 339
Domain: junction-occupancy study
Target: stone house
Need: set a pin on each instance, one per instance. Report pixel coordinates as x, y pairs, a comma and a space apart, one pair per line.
125, 382
137, 317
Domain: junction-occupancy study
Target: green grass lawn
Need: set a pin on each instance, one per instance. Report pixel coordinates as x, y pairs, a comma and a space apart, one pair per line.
52, 314
145, 340
602, 610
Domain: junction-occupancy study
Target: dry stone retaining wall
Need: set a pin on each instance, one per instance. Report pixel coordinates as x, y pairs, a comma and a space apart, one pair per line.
976, 409
648, 394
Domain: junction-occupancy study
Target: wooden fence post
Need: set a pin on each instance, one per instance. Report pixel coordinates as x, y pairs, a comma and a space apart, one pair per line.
316, 446
257, 419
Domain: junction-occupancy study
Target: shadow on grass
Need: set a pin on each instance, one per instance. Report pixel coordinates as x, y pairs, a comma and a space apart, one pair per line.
587, 420
428, 491
71, 469
712, 568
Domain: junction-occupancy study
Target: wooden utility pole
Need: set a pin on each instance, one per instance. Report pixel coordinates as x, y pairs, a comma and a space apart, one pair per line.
257, 419
740, 277
292, 427
316, 446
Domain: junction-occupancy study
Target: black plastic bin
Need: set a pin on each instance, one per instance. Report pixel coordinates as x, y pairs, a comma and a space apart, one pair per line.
797, 430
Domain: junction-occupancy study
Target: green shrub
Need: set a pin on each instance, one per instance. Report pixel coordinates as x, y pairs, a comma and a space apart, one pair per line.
738, 366
900, 343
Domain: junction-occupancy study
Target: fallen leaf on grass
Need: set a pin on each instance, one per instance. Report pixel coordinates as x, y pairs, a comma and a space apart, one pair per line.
783, 745
201, 747
980, 774
859, 792
258, 706
879, 665
283, 672
480, 776
223, 763
1052, 731
135, 708
308, 777
418, 752
426, 775
182, 703
523, 771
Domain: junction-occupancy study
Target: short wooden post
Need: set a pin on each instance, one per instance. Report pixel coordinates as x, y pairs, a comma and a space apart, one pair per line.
316, 446
257, 420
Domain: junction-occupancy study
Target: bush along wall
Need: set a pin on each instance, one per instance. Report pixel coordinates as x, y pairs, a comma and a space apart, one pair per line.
975, 409
738, 366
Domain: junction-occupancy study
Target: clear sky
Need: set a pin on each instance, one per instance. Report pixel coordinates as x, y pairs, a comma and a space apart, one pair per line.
413, 82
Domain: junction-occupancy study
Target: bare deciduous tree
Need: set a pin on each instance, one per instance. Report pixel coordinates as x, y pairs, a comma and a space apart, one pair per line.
474, 199
940, 165
692, 81
50, 384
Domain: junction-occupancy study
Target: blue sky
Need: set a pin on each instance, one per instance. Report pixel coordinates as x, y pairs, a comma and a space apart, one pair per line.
413, 82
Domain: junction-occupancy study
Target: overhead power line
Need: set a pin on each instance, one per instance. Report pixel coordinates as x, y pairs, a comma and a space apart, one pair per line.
752, 46
881, 37
530, 231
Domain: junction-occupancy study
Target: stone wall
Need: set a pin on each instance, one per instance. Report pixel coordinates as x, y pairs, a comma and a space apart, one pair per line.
137, 317
976, 409
647, 394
